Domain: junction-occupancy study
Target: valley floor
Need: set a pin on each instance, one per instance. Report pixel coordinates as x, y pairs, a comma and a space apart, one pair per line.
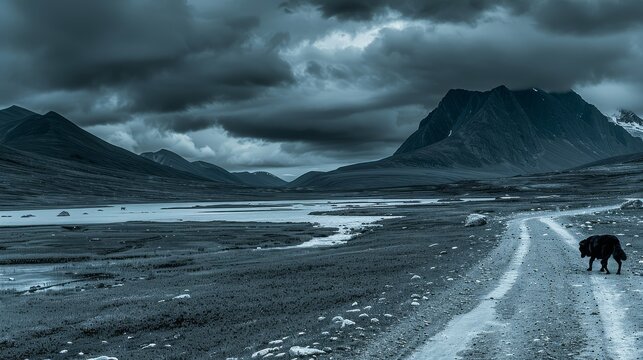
515, 288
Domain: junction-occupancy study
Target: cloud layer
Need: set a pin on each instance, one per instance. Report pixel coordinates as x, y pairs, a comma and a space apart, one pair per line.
302, 84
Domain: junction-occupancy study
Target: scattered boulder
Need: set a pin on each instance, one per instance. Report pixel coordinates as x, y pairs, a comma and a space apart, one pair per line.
63, 213
305, 351
632, 204
264, 352
476, 220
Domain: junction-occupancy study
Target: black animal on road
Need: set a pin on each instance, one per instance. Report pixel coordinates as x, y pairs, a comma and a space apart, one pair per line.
602, 247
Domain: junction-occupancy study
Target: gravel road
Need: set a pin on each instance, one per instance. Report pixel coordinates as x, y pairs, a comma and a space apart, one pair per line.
544, 304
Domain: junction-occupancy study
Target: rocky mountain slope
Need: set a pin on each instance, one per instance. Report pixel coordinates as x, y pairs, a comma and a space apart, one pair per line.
500, 132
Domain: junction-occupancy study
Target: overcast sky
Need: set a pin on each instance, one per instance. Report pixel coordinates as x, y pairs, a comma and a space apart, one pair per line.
298, 85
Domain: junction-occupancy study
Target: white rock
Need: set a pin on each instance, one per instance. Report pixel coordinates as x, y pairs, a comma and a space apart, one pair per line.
347, 322
475, 220
276, 342
264, 352
416, 277
363, 315
375, 320
337, 319
182, 296
103, 357
321, 318
305, 351
388, 315
632, 204
354, 304
415, 303
367, 307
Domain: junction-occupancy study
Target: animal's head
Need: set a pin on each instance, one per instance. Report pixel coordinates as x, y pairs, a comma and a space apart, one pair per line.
583, 248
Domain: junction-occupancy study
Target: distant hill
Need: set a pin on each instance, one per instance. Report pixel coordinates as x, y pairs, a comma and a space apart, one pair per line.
51, 135
260, 179
500, 132
213, 172
198, 168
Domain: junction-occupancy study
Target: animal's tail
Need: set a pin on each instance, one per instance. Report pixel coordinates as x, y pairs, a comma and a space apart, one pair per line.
619, 253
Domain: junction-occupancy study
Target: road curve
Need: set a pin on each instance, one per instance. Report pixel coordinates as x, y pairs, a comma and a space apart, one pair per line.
545, 305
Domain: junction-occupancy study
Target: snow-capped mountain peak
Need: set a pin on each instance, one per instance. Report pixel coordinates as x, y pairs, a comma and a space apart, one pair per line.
629, 121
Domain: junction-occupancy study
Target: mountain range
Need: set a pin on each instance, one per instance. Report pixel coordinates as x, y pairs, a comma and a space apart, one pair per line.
48, 159
213, 172
485, 134
470, 135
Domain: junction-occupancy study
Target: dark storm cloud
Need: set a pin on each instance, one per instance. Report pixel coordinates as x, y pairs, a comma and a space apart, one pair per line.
181, 122
301, 82
322, 127
488, 56
581, 17
589, 16
439, 10
157, 53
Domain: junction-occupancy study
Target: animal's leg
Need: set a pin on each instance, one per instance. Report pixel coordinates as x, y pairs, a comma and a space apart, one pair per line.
618, 272
604, 263
591, 260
